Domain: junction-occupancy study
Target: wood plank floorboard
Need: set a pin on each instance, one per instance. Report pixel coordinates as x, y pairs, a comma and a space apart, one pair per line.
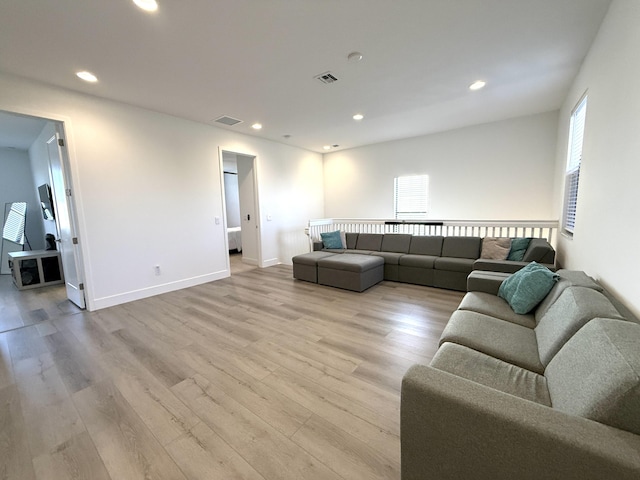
256, 376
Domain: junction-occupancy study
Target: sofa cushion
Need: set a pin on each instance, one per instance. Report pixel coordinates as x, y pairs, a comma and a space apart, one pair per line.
352, 239
566, 278
493, 306
426, 245
495, 248
518, 248
461, 247
332, 240
390, 258
574, 308
597, 374
350, 263
527, 287
419, 261
491, 372
396, 242
464, 265
369, 241
504, 340
310, 258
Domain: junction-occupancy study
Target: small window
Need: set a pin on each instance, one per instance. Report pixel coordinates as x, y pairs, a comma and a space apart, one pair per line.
574, 159
411, 197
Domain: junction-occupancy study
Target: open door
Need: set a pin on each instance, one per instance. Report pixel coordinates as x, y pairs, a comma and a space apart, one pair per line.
65, 221
244, 168
248, 210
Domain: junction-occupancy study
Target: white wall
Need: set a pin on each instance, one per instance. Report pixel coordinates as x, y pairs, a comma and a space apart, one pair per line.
148, 187
605, 241
498, 171
16, 185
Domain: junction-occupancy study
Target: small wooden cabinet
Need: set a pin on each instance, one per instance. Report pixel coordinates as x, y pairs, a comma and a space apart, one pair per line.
37, 268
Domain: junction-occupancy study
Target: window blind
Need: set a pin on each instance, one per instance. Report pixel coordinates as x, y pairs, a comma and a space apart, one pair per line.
411, 197
574, 160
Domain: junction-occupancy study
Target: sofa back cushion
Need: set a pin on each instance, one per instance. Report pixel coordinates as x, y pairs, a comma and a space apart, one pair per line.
426, 245
369, 241
461, 247
574, 308
539, 251
396, 242
597, 374
352, 240
567, 278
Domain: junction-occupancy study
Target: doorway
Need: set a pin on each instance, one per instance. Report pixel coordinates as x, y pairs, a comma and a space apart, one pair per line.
242, 218
46, 153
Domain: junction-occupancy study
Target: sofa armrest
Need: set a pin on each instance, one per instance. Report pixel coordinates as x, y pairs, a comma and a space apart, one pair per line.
504, 266
453, 428
540, 251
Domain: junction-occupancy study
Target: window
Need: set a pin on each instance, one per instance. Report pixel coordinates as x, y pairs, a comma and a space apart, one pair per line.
410, 197
574, 159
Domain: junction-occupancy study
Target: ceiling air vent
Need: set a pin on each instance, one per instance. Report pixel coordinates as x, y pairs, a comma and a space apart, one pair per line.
326, 77
229, 121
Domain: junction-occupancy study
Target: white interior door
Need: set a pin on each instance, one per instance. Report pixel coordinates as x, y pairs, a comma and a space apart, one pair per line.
248, 210
65, 222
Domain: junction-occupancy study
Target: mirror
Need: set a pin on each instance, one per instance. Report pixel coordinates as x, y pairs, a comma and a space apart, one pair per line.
13, 231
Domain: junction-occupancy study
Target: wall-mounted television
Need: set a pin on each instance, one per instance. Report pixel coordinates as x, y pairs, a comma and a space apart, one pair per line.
46, 202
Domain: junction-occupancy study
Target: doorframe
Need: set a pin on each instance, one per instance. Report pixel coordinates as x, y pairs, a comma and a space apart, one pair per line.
64, 128
256, 200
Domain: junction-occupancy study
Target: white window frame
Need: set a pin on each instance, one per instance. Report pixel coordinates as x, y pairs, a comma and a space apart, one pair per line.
574, 161
411, 197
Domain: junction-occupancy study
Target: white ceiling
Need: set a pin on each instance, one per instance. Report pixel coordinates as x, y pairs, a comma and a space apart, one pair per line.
17, 131
255, 60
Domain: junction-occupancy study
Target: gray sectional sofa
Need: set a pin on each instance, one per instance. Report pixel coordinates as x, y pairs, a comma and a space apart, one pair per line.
553, 394
434, 261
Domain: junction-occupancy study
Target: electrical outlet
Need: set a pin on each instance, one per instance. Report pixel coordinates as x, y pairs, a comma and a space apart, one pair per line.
156, 269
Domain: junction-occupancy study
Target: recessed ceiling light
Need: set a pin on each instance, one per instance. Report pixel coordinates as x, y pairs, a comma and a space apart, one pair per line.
147, 5
358, 116
87, 76
354, 57
256, 126
327, 147
477, 85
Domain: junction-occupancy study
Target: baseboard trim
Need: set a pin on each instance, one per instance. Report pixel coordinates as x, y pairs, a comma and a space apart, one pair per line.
105, 302
270, 263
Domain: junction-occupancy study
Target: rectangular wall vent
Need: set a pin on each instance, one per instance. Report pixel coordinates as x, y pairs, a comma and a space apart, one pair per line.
326, 77
229, 121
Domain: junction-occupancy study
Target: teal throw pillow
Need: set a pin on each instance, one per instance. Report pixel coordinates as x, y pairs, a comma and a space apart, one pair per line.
526, 288
518, 248
331, 240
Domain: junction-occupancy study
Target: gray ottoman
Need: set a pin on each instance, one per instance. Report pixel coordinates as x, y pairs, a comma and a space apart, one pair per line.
351, 271
305, 265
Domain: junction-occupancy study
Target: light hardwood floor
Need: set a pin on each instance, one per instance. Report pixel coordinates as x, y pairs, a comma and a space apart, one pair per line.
257, 376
